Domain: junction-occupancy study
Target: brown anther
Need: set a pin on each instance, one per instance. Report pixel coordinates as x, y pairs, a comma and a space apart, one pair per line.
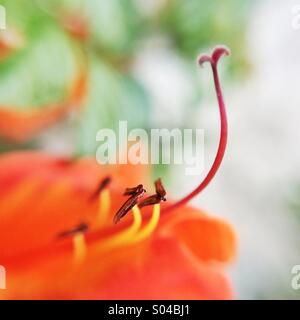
159, 189
81, 228
134, 190
104, 183
135, 194
155, 198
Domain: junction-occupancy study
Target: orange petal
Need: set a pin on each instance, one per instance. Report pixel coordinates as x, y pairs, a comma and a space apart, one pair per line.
165, 271
42, 196
83, 173
162, 269
208, 238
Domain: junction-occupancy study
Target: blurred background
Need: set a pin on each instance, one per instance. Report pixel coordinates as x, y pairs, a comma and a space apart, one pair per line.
70, 68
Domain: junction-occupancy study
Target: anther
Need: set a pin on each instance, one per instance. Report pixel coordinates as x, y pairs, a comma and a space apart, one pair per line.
104, 183
81, 228
156, 198
135, 194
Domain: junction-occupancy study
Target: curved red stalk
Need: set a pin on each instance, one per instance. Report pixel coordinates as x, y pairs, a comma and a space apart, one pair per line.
213, 60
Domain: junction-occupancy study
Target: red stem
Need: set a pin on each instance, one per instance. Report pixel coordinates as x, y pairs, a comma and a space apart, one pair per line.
218, 52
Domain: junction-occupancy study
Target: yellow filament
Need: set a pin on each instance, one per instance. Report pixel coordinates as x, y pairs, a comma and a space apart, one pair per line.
150, 227
104, 207
126, 236
79, 248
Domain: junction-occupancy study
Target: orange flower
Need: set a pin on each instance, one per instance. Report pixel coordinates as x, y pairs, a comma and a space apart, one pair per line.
58, 240
179, 255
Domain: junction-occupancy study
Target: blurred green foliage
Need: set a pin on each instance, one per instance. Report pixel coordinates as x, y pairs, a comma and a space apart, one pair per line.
195, 24
38, 73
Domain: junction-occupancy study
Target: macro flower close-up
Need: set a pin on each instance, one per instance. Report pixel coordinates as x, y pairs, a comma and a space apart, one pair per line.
59, 240
148, 151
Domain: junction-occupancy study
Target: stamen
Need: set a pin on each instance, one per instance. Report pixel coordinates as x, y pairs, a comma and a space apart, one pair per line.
101, 187
134, 190
81, 228
213, 60
156, 198
135, 194
124, 237
159, 189
150, 227
79, 248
